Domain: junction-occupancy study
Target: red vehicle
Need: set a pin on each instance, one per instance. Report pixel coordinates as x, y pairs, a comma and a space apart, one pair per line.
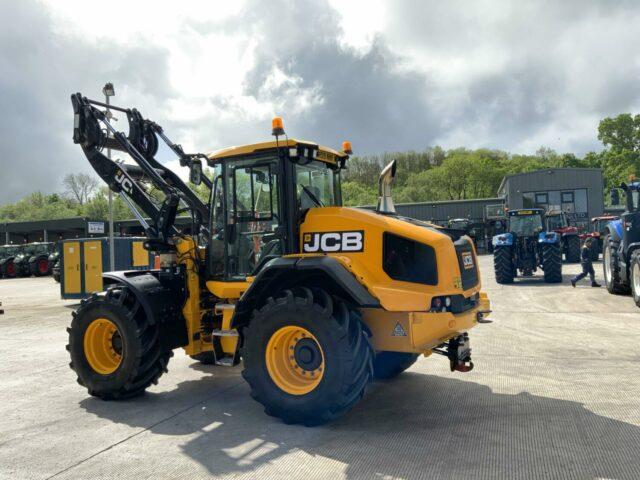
557, 222
598, 231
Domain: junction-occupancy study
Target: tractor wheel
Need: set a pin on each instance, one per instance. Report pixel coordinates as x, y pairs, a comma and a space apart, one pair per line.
503, 265
552, 262
612, 268
307, 357
114, 350
205, 358
41, 267
391, 364
635, 277
573, 249
9, 269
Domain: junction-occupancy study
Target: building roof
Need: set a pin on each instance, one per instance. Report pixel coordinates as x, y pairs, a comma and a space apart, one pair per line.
534, 172
326, 154
37, 225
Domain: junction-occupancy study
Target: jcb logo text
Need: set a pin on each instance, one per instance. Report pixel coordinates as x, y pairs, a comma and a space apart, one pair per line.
329, 242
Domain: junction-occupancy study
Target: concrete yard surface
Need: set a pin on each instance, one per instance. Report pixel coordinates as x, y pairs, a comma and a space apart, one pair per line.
555, 393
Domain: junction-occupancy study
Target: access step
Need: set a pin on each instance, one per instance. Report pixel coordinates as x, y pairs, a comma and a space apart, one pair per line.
224, 333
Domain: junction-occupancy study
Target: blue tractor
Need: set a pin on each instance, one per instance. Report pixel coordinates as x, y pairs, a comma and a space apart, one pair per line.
525, 247
621, 245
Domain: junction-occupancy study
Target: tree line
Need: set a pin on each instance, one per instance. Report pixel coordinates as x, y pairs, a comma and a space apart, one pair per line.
429, 175
436, 174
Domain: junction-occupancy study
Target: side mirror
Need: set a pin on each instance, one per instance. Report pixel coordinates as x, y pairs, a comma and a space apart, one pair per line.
195, 172
614, 196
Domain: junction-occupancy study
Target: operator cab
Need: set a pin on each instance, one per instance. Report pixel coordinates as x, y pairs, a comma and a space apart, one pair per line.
261, 193
525, 222
556, 220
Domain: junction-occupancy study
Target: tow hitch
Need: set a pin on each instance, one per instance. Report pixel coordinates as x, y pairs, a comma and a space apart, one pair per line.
458, 351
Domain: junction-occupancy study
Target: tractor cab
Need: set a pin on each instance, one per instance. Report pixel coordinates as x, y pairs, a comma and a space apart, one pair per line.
525, 223
261, 193
557, 221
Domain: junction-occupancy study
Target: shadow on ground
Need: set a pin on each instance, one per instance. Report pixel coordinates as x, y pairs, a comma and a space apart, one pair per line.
414, 426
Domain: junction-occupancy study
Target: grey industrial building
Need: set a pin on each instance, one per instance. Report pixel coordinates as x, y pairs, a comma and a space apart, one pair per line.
476, 210
577, 191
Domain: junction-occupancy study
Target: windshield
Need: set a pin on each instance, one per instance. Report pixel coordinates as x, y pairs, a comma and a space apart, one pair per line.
458, 224
556, 221
525, 224
317, 185
600, 225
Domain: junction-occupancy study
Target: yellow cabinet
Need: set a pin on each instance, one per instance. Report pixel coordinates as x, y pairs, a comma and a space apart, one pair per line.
72, 272
92, 266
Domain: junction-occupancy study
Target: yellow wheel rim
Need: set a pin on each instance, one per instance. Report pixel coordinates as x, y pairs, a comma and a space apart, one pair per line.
103, 346
295, 360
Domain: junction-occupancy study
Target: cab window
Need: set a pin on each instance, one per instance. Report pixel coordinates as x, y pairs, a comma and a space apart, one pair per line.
317, 185
253, 215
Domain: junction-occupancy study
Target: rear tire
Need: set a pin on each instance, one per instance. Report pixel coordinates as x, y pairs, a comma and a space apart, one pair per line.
635, 277
611, 268
573, 249
141, 359
9, 269
41, 267
307, 357
552, 262
391, 364
503, 265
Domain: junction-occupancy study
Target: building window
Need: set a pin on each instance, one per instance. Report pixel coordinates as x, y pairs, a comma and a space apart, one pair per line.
567, 197
542, 199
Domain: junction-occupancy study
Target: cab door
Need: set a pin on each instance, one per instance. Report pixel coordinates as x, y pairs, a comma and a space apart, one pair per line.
72, 274
92, 266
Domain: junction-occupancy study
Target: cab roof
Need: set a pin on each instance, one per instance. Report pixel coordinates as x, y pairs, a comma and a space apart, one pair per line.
325, 154
526, 211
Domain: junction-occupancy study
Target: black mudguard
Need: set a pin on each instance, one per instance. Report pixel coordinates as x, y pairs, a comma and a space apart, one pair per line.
162, 301
287, 272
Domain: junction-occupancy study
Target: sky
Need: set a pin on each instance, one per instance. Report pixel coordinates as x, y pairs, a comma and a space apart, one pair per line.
386, 75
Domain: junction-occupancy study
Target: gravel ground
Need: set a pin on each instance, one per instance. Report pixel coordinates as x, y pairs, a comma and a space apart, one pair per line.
555, 394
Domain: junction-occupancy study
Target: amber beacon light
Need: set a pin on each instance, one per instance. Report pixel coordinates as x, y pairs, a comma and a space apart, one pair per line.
346, 147
277, 127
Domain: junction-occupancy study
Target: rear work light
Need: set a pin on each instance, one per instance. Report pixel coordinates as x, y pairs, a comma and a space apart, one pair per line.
440, 304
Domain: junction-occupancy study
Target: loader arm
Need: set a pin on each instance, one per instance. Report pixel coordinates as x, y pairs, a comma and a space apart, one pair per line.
126, 179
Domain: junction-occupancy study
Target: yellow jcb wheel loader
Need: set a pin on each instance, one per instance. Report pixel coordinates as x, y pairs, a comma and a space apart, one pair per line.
315, 299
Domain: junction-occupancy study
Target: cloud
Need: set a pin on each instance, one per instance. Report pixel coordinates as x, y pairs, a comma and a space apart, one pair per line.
38, 72
385, 75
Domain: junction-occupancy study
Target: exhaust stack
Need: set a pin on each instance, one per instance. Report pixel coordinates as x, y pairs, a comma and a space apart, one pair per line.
385, 202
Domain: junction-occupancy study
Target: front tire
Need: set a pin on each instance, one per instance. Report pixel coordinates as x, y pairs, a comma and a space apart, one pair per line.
391, 364
114, 350
503, 265
552, 262
573, 249
611, 268
307, 357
